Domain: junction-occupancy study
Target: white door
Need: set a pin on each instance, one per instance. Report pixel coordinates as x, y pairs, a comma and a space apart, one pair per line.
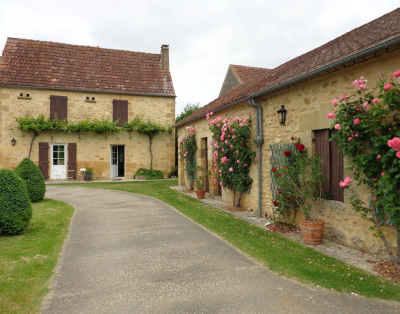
114, 162
58, 168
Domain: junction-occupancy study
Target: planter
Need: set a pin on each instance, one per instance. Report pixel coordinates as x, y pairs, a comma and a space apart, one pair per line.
312, 231
200, 194
88, 176
141, 177
165, 175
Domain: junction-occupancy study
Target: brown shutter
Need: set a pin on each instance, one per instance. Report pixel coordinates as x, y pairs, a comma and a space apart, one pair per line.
322, 149
124, 112
120, 111
58, 107
62, 108
44, 159
337, 171
72, 158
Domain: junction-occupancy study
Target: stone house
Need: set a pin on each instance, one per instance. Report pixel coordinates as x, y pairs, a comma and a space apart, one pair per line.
306, 86
77, 83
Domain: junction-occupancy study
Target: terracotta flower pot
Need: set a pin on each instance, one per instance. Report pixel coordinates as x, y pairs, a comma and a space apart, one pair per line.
200, 194
312, 231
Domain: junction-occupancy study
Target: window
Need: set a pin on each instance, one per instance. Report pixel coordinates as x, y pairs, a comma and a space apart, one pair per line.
120, 111
58, 107
332, 164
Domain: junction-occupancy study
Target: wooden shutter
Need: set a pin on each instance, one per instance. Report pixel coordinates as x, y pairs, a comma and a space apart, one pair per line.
120, 111
72, 160
322, 149
58, 107
337, 171
44, 159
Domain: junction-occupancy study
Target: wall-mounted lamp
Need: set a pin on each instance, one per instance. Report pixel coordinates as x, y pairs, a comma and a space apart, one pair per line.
282, 114
13, 141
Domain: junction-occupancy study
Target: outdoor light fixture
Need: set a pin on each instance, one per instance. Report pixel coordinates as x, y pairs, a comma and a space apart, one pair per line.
13, 141
282, 114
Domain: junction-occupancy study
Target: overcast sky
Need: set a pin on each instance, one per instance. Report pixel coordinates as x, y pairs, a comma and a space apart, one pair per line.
204, 36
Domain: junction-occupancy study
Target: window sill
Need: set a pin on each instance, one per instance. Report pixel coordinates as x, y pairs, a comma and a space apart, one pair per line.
23, 97
88, 100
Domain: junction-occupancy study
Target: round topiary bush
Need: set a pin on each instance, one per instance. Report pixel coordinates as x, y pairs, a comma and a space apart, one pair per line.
33, 178
15, 206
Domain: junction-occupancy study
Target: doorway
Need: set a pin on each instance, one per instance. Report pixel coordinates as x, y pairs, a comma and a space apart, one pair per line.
58, 164
117, 164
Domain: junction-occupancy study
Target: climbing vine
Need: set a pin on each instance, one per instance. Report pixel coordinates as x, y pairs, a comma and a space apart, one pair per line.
233, 155
187, 153
42, 124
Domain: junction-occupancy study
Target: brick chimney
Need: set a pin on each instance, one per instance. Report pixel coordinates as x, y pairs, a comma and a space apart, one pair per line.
165, 57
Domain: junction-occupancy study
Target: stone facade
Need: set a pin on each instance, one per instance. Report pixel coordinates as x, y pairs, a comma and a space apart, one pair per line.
231, 81
307, 105
93, 150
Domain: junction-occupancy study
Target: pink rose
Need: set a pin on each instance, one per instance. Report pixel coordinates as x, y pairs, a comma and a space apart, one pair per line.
375, 100
237, 152
373, 199
220, 171
256, 158
382, 174
220, 175
230, 169
240, 124
337, 126
356, 121
226, 141
345, 183
334, 102
238, 161
387, 86
365, 105
350, 138
215, 181
330, 115
220, 183
394, 143
247, 164
231, 146
207, 116
398, 154
379, 156
396, 73
356, 135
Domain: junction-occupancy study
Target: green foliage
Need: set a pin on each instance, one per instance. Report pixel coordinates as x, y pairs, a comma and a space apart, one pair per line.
187, 111
201, 178
187, 152
300, 183
150, 128
15, 206
152, 174
33, 177
365, 125
89, 170
133, 125
233, 155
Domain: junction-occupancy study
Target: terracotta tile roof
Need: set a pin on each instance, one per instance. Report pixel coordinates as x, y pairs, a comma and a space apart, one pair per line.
54, 65
369, 35
245, 74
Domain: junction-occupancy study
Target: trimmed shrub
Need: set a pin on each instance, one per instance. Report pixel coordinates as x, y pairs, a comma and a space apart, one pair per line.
152, 174
15, 206
33, 178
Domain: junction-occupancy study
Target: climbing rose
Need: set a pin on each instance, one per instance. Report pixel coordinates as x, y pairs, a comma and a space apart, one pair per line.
379, 156
394, 143
356, 135
238, 161
287, 153
334, 102
237, 152
375, 100
396, 74
247, 164
207, 116
215, 181
356, 121
230, 169
300, 147
387, 86
337, 126
382, 174
220, 183
373, 199
330, 115
231, 146
256, 158
344, 96
398, 154
345, 183
350, 138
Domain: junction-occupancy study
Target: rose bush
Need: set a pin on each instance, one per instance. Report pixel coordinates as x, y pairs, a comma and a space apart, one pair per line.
368, 134
232, 154
187, 152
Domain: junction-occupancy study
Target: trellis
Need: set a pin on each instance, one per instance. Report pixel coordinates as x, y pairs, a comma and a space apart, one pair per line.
278, 160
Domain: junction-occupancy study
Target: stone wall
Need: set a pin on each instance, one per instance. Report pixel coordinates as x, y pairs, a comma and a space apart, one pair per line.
231, 81
93, 150
307, 106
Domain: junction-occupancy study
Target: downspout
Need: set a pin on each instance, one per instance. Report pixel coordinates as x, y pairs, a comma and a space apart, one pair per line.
259, 140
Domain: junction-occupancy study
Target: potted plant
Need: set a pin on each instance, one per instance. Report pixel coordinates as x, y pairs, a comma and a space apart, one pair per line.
88, 174
165, 175
301, 183
201, 180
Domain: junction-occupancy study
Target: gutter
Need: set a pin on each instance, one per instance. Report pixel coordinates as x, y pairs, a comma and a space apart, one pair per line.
331, 66
259, 140
87, 91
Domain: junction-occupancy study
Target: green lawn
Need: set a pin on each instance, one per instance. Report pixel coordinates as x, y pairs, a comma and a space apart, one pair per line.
27, 260
279, 254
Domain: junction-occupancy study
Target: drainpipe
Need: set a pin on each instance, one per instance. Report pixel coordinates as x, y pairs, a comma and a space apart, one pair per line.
259, 140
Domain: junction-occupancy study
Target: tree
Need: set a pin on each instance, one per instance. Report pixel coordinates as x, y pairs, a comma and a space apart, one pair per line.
187, 111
